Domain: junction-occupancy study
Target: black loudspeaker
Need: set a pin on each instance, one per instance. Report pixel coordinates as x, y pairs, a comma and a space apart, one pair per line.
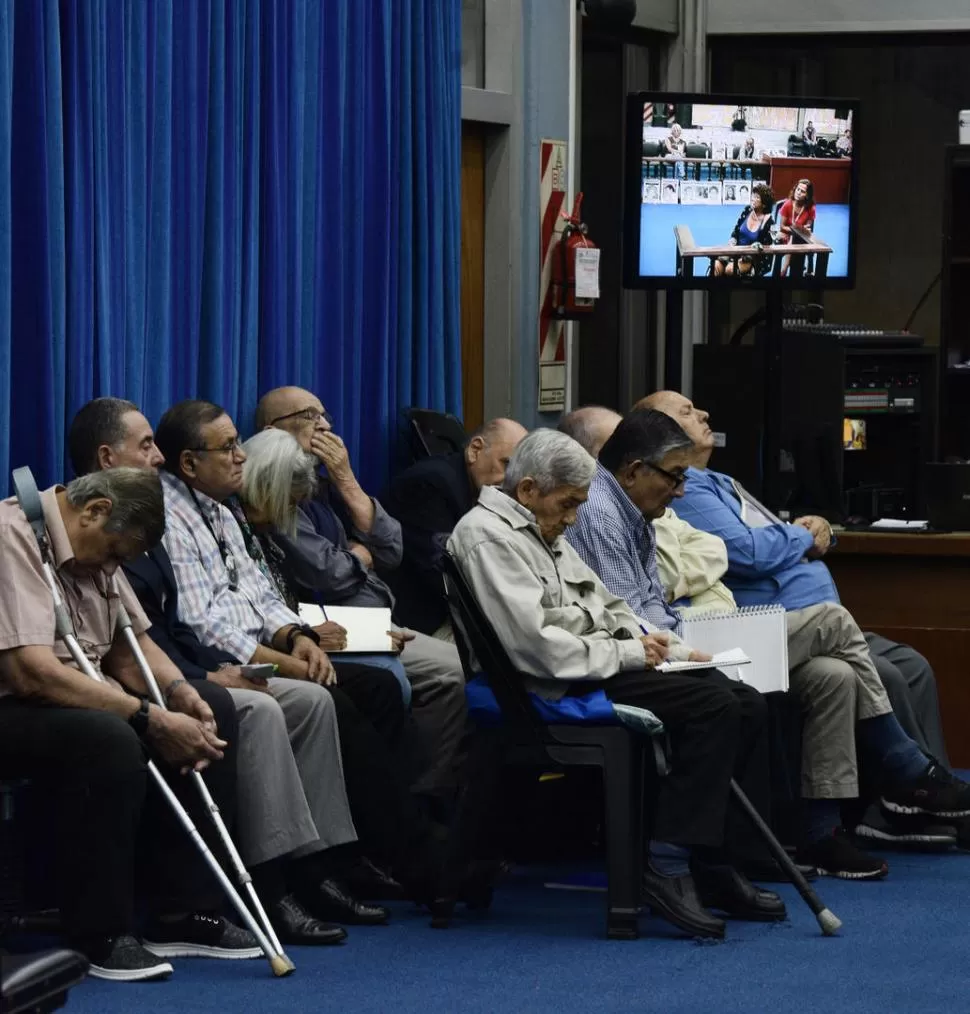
841, 113
611, 13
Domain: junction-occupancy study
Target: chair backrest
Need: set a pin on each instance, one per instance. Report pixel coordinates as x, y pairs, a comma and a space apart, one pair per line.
651, 149
695, 150
476, 640
434, 433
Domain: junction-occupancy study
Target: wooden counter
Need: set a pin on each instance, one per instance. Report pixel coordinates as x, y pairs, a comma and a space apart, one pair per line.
831, 177
916, 589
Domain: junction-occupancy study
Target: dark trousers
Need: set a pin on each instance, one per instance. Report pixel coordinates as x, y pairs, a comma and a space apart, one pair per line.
717, 730
108, 822
376, 695
390, 824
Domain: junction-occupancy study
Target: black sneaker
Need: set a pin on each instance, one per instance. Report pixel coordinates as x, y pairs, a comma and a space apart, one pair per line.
936, 792
123, 959
836, 856
916, 832
200, 936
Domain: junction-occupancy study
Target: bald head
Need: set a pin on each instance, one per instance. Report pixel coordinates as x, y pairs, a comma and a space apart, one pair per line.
590, 426
297, 411
489, 449
281, 401
692, 420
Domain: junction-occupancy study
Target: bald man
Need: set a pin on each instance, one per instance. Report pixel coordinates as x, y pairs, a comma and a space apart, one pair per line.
343, 538
770, 562
429, 499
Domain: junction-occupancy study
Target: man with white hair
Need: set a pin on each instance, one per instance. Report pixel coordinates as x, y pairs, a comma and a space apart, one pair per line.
569, 635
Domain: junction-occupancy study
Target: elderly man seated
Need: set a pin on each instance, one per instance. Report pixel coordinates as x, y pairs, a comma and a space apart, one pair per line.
86, 741
563, 627
429, 499
227, 600
772, 562
294, 828
344, 540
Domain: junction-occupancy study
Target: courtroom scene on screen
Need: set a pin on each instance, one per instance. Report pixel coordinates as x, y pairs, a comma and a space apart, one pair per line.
745, 192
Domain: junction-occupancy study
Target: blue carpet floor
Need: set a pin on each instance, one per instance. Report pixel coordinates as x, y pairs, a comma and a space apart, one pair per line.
904, 948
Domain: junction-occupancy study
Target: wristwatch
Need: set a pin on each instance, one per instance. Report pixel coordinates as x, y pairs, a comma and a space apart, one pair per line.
301, 631
139, 720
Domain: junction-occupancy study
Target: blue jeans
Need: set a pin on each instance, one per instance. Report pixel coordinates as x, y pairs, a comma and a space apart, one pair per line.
383, 661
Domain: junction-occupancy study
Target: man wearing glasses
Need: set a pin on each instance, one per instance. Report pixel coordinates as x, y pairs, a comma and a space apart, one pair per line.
344, 539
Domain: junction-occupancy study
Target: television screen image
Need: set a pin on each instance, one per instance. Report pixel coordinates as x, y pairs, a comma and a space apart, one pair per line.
737, 191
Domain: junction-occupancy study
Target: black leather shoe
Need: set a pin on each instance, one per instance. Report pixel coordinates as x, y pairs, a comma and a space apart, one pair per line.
294, 925
330, 900
723, 888
370, 883
675, 899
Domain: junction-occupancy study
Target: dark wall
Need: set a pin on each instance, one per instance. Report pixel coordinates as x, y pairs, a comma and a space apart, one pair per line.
910, 88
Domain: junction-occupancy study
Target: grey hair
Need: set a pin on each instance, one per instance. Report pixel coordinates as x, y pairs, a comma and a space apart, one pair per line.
277, 474
551, 459
137, 503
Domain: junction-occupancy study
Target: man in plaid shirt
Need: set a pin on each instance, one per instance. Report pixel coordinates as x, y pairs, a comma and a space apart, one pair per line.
614, 532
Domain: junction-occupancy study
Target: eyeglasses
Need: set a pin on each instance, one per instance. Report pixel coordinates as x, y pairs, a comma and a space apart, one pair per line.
674, 478
307, 415
230, 447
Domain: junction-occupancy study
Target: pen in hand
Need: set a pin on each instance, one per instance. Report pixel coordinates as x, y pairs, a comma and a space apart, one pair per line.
654, 647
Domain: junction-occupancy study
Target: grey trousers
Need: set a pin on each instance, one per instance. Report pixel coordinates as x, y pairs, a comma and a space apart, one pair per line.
911, 686
290, 785
835, 680
438, 705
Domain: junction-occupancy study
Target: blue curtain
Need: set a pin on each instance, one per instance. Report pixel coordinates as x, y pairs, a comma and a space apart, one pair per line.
210, 198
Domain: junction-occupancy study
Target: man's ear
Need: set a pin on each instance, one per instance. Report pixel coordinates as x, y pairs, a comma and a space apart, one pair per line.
95, 512
187, 464
105, 457
627, 475
475, 447
526, 490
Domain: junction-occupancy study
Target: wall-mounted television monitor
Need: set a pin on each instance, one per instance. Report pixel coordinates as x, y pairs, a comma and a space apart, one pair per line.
740, 191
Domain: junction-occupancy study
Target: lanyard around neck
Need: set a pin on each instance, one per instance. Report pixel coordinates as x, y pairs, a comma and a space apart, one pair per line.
228, 560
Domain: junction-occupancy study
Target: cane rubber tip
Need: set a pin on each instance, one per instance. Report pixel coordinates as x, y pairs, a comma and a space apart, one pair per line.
829, 922
281, 965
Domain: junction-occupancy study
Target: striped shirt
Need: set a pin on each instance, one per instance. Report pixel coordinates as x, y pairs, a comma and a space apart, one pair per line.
615, 540
237, 619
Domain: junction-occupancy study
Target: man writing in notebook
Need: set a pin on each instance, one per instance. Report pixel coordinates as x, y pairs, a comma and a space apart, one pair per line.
571, 635
847, 707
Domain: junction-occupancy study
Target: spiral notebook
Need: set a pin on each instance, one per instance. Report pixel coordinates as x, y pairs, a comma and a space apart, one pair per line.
760, 632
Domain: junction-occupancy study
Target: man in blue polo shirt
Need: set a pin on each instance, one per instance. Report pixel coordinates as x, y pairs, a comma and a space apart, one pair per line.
770, 562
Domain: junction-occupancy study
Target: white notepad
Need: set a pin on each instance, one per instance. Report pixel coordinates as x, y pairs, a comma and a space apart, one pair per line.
366, 626
760, 631
731, 657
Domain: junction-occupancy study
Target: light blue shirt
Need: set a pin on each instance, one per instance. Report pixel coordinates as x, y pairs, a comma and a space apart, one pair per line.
766, 563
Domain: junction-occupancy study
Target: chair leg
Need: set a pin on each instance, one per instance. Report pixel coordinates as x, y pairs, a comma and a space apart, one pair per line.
622, 791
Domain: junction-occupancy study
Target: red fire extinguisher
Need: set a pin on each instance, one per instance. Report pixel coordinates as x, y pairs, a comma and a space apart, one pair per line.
565, 302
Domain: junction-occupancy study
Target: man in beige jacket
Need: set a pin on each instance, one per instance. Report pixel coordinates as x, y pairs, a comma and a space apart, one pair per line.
569, 635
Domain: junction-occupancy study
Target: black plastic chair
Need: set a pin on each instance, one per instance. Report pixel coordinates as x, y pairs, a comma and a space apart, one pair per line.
434, 433
524, 739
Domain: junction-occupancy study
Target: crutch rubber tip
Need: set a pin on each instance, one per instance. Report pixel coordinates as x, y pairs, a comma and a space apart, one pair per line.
281, 965
829, 922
